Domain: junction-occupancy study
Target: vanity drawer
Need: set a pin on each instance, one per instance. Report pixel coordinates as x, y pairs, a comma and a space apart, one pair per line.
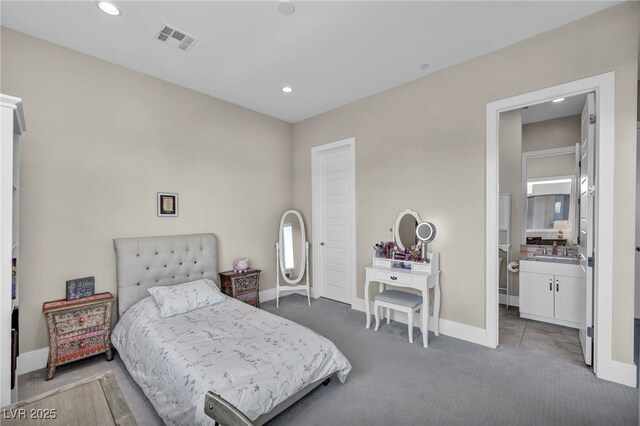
392, 276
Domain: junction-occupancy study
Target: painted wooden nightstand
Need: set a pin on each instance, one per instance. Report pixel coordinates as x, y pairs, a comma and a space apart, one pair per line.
78, 329
244, 286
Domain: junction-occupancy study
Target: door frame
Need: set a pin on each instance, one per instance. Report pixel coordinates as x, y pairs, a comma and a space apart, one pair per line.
318, 288
603, 85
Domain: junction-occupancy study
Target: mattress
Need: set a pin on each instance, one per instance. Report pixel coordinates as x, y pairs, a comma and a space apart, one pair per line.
253, 359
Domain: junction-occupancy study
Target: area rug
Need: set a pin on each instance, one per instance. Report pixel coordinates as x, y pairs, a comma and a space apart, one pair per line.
95, 401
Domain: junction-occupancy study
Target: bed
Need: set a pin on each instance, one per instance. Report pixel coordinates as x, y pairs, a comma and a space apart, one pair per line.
259, 362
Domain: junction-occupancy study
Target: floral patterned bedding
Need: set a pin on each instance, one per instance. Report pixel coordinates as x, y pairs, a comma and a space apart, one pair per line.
251, 358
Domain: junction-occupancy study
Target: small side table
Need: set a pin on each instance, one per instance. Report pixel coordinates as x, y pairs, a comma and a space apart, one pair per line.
244, 286
78, 329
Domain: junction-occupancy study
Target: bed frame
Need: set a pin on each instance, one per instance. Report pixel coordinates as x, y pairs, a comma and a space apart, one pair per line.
147, 262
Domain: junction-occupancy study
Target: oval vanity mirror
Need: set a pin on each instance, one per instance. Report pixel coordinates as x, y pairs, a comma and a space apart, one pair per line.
292, 241
405, 229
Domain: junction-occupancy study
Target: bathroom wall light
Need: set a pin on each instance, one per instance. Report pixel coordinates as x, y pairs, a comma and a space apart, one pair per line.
109, 8
287, 89
555, 101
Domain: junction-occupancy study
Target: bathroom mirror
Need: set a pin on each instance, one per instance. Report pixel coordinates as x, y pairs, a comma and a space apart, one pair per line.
548, 202
291, 245
550, 195
404, 230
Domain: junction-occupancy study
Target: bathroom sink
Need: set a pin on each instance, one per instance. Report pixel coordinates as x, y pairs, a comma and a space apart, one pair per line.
572, 258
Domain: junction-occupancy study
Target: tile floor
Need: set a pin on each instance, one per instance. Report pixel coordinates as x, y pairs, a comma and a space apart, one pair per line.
540, 337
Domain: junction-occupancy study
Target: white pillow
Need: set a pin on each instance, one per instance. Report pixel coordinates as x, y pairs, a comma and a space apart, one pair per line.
182, 298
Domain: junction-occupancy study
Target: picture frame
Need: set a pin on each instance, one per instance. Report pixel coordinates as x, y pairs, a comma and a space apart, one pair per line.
167, 204
79, 288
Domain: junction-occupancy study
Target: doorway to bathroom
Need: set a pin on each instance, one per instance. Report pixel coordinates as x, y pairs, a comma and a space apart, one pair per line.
542, 307
549, 216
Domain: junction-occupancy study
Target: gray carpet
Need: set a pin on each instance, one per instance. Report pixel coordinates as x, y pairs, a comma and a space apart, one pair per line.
397, 383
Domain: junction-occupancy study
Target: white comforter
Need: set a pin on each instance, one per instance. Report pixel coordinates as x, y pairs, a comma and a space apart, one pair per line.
252, 358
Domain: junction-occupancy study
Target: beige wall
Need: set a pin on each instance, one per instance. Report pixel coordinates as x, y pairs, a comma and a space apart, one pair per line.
430, 133
551, 134
101, 140
556, 165
510, 146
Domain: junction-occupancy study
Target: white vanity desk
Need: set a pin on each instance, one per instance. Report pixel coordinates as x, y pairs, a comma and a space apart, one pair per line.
422, 276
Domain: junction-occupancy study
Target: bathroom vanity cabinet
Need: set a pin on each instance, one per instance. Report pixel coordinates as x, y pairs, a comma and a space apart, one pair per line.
552, 292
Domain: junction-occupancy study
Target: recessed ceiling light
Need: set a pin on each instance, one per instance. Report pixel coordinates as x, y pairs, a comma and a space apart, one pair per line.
287, 89
286, 8
109, 8
424, 66
558, 100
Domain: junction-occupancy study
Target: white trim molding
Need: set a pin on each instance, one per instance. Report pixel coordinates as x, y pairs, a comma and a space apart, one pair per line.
603, 85
449, 328
350, 143
513, 300
32, 361
270, 294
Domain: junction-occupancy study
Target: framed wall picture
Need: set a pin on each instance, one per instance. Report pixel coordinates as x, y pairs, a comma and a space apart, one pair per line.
80, 287
167, 204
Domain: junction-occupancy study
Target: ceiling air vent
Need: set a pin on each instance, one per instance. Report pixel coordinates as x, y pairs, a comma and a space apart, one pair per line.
176, 38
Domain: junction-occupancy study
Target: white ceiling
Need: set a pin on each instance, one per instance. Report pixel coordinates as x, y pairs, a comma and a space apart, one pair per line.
331, 52
551, 110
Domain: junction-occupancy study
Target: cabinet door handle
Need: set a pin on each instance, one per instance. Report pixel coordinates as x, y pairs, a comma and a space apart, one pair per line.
393, 278
551, 284
557, 286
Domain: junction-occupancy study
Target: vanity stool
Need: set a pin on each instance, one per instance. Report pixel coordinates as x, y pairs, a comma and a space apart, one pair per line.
398, 300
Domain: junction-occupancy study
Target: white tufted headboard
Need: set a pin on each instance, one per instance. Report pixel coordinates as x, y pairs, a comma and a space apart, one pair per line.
147, 262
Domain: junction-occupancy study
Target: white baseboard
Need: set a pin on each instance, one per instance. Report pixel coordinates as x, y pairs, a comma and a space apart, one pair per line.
513, 300
618, 372
32, 361
270, 294
266, 295
449, 328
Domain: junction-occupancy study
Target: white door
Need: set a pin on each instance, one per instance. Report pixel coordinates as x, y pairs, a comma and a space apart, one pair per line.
333, 221
585, 243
